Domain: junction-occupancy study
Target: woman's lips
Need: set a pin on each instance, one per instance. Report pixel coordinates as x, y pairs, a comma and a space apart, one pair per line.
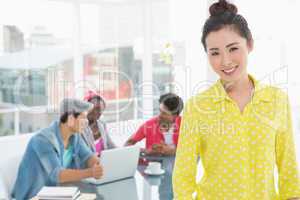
229, 71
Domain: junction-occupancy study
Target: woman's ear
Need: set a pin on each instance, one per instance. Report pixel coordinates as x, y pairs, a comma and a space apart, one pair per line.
250, 45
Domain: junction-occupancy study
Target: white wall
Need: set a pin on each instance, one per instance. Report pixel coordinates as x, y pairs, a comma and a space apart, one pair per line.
186, 21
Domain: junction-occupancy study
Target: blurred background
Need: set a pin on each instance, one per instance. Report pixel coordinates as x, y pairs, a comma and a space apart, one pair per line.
130, 52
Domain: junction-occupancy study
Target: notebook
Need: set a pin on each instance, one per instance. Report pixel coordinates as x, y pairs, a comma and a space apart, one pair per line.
55, 193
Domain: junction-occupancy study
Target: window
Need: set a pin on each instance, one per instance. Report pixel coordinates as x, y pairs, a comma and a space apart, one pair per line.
34, 46
84, 46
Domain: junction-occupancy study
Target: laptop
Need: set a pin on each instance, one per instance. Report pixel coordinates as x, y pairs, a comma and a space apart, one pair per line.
118, 163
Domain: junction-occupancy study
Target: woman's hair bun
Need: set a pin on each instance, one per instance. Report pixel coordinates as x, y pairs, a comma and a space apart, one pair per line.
222, 6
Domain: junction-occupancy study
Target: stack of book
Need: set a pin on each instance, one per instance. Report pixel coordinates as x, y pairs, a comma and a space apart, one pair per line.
61, 193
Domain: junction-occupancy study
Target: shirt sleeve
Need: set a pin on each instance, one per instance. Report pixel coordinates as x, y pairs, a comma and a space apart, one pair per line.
110, 143
176, 135
48, 158
88, 138
140, 134
185, 169
289, 179
84, 152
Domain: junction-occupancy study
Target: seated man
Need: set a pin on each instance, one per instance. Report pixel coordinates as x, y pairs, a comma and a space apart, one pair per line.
57, 154
161, 132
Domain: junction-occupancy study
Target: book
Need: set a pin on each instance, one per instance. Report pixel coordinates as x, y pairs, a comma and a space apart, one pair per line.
55, 193
87, 196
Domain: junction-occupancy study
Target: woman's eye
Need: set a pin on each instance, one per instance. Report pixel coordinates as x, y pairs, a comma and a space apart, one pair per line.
233, 49
214, 53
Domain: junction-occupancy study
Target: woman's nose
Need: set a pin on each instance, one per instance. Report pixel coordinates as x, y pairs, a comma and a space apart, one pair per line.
226, 60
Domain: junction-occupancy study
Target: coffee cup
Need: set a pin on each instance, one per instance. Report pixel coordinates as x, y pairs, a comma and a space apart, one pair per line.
154, 167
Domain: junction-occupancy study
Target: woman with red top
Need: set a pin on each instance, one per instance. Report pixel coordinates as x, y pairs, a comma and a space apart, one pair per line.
161, 132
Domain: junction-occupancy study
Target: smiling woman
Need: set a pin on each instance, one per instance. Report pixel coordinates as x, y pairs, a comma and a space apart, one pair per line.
96, 135
256, 134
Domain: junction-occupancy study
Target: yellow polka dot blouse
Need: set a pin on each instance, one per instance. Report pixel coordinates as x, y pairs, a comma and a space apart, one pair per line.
239, 151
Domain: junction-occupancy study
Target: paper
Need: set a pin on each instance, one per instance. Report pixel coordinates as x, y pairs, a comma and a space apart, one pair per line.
58, 192
87, 196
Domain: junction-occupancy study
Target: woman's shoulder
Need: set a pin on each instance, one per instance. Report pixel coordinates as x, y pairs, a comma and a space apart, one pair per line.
271, 93
205, 97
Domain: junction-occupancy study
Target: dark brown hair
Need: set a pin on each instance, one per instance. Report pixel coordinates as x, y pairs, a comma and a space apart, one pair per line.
64, 117
173, 103
224, 14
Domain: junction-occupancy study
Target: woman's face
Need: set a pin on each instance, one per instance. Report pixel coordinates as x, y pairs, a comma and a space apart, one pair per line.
228, 53
97, 111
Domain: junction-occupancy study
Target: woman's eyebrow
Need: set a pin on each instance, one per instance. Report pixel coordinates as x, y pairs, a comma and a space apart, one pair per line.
231, 44
214, 49
227, 46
